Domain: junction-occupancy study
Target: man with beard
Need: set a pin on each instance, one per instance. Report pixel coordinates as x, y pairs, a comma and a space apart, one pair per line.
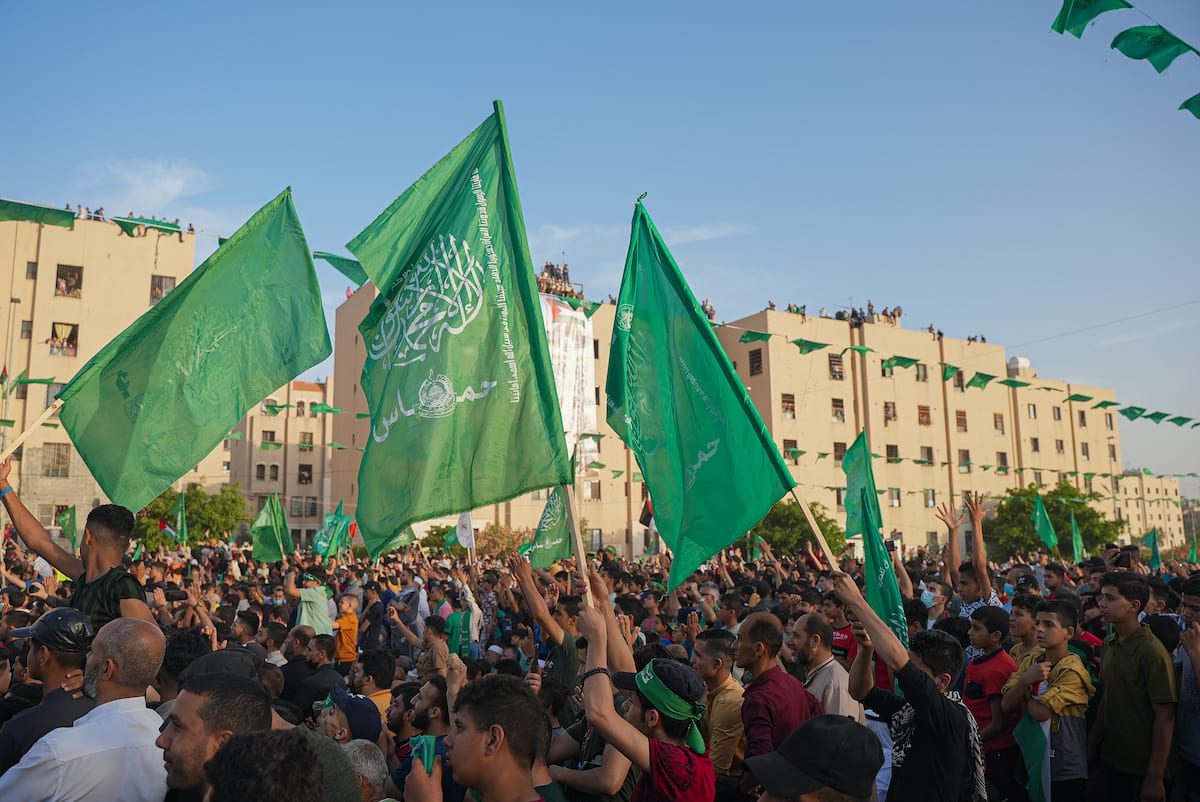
399, 717
371, 675
431, 717
58, 644
296, 669
211, 708
324, 676
110, 752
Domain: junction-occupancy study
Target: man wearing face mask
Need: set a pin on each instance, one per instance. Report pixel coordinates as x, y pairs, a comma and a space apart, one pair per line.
934, 597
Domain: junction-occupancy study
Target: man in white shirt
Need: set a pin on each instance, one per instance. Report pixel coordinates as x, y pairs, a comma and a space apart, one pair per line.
812, 643
110, 752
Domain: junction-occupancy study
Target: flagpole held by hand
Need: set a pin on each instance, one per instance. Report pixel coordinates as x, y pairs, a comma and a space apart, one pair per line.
812, 524
45, 416
577, 544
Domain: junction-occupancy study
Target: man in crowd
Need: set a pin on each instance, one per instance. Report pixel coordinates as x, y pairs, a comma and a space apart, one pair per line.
371, 675
811, 643
297, 669
712, 657
345, 716
431, 717
324, 677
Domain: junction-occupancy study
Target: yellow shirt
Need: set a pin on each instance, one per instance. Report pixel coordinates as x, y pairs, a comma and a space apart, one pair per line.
722, 728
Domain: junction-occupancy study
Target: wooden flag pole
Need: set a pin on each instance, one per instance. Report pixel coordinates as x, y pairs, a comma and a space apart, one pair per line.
45, 416
577, 546
812, 523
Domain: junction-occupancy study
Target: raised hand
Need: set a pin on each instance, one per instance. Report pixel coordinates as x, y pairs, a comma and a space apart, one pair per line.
950, 516
974, 502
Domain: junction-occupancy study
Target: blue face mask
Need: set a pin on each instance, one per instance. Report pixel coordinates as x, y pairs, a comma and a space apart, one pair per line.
1009, 590
927, 598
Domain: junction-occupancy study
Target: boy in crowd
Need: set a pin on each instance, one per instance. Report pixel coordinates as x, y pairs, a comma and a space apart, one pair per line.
843, 643
1187, 658
1132, 734
972, 578
982, 692
1023, 626
345, 631
1052, 685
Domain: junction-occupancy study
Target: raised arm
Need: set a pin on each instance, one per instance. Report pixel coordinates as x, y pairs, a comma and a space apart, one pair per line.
953, 519
32, 532
598, 694
902, 577
552, 633
862, 670
887, 645
978, 549
289, 585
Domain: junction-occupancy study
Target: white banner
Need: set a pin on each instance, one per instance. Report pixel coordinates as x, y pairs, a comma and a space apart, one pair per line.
569, 337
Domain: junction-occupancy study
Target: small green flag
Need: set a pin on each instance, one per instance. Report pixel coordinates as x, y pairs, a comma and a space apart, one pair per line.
70, 529
326, 408
617, 474
271, 539
861, 349
162, 395
1155, 558
180, 513
12, 386
270, 446
330, 536
795, 452
456, 354
22, 380
1013, 383
552, 540
1192, 104
948, 371
1105, 405
754, 336
899, 362
350, 268
591, 436
1033, 739
137, 553
1154, 43
450, 537
362, 415
595, 466
980, 380
675, 400
1157, 417
1042, 525
1132, 413
1076, 540
405, 537
1179, 420
1192, 553
336, 446
1075, 15
808, 346
1079, 397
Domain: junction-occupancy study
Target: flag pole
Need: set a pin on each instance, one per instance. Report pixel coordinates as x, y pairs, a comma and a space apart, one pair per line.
812, 524
577, 546
45, 416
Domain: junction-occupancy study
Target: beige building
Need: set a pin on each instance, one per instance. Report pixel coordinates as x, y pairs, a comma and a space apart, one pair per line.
283, 446
71, 291
1151, 502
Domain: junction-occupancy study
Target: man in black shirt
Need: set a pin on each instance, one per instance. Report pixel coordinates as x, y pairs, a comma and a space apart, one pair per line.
58, 644
324, 676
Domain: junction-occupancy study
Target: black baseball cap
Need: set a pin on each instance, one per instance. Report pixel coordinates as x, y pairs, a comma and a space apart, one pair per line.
63, 629
1027, 582
826, 751
372, 585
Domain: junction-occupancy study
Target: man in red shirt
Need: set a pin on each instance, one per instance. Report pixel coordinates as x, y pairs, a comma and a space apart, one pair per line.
844, 645
775, 703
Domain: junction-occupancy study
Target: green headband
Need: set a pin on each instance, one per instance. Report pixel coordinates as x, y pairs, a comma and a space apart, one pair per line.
672, 705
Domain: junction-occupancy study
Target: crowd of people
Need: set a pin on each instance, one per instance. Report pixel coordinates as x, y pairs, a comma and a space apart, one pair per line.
86, 213
201, 673
556, 280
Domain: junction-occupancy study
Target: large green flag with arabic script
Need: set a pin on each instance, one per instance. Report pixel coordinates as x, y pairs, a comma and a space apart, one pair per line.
552, 540
458, 380
863, 518
674, 398
165, 393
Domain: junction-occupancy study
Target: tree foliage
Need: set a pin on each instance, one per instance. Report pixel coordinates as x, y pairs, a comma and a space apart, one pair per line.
208, 516
1011, 531
786, 529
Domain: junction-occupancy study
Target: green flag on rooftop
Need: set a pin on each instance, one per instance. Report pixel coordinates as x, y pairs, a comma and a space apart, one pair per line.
1042, 525
1075, 15
1078, 397
1076, 540
36, 213
675, 400
162, 395
457, 363
1154, 43
70, 529
179, 512
864, 519
552, 540
270, 536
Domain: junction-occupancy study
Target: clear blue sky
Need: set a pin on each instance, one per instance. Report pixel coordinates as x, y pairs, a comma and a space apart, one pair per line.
958, 159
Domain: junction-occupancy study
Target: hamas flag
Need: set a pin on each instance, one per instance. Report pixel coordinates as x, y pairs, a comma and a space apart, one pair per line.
552, 541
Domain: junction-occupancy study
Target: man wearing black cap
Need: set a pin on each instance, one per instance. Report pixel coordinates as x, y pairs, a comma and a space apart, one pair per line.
826, 753
659, 731
58, 644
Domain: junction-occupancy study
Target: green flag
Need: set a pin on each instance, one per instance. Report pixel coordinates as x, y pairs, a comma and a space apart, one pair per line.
675, 400
1155, 558
269, 535
405, 537
754, 336
162, 395
346, 266
1078, 397
1076, 540
70, 529
137, 553
1105, 405
330, 536
808, 346
1192, 553
457, 363
864, 519
948, 371
178, 510
1075, 15
1131, 412
1154, 43
1033, 739
1013, 383
327, 408
980, 380
1042, 525
899, 362
1179, 420
36, 213
1157, 417
552, 540
450, 538
1192, 104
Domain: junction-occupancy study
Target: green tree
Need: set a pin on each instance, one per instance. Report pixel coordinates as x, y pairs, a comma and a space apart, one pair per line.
1011, 532
786, 529
208, 516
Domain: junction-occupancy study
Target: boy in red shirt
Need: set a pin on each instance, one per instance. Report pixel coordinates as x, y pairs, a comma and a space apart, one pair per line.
982, 692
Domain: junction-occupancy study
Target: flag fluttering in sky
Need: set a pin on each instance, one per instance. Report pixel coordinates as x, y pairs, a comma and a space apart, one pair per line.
552, 540
1075, 15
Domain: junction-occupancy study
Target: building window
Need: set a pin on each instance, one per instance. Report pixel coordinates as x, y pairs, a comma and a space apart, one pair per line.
27, 331
56, 459
306, 441
1083, 419
225, 466
1087, 483
1056, 413
1060, 447
305, 475
839, 411
924, 418
887, 371
893, 453
540, 495
927, 455
268, 435
267, 402
788, 405
312, 413
998, 422
755, 361
1108, 418
839, 497
1112, 452
1037, 478
960, 382
839, 451
591, 490
597, 395
964, 461
274, 472
1032, 410
299, 409
595, 539
31, 270
889, 411
297, 507
69, 282
1062, 476
64, 339
1084, 451
260, 471
960, 420
893, 497
595, 348
52, 391
159, 287
1035, 445
922, 372
225, 444
836, 371
788, 447
930, 498
310, 506
1001, 461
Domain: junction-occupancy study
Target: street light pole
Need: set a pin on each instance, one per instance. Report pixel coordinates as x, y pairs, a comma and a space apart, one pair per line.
12, 322
1112, 476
